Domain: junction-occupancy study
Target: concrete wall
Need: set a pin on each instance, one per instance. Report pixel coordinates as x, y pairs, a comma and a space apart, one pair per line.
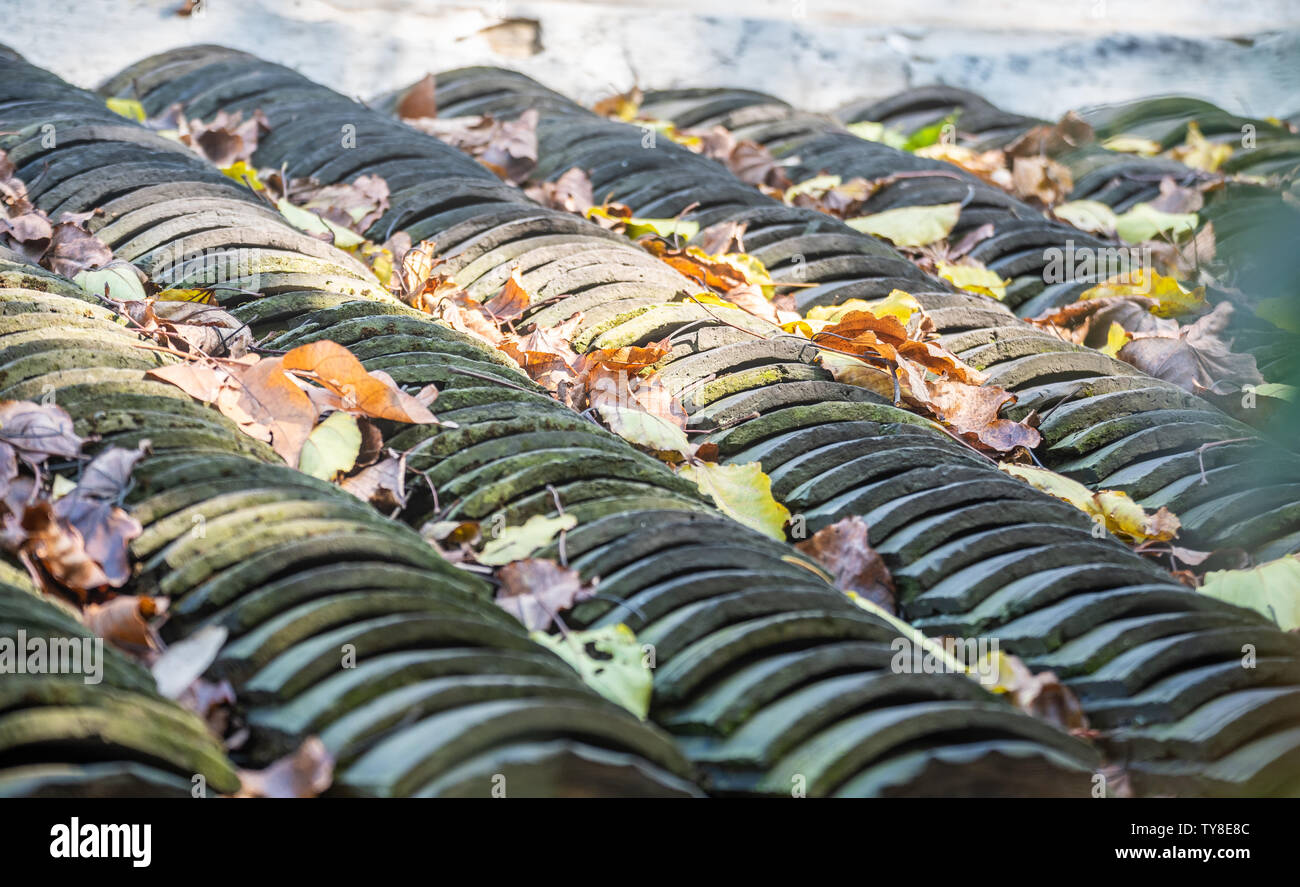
1033, 56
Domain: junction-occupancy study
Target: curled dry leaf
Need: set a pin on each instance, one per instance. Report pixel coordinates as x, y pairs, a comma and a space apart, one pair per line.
421, 100
124, 622
228, 139
855, 566
304, 773
1113, 509
1041, 695
37, 431
928, 376
1194, 355
371, 394
571, 192
535, 591
1041, 179
382, 484
91, 508
191, 325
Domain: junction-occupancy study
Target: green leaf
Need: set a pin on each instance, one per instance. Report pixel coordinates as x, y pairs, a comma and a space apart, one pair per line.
316, 226
1272, 589
120, 278
1279, 390
332, 447
517, 543
910, 225
929, 135
743, 492
1143, 222
610, 660
878, 132
646, 430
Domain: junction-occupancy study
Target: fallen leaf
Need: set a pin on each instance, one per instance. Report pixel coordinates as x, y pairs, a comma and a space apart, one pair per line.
661, 437
420, 100
1198, 152
371, 394
535, 591
106, 530
519, 542
973, 277
1041, 695
1196, 354
304, 773
910, 225
38, 431
332, 447
1040, 178
1114, 510
383, 484
124, 622
1271, 588
743, 492
610, 660
843, 548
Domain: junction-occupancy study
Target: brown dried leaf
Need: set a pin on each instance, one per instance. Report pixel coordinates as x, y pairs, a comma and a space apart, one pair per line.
382, 484
843, 549
1195, 354
534, 590
73, 249
227, 140
124, 622
421, 100
571, 192
371, 394
38, 431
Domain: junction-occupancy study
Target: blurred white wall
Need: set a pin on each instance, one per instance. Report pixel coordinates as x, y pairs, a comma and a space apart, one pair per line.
1033, 56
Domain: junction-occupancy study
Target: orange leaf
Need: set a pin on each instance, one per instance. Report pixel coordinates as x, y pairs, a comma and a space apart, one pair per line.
370, 394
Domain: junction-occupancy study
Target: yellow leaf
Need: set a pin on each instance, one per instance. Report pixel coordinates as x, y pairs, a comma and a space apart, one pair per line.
712, 299
1116, 338
241, 172
128, 108
1171, 297
1143, 222
798, 328
878, 132
1199, 152
898, 305
814, 187
196, 295
910, 225
1113, 509
1092, 216
1127, 144
744, 492
973, 277
754, 271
